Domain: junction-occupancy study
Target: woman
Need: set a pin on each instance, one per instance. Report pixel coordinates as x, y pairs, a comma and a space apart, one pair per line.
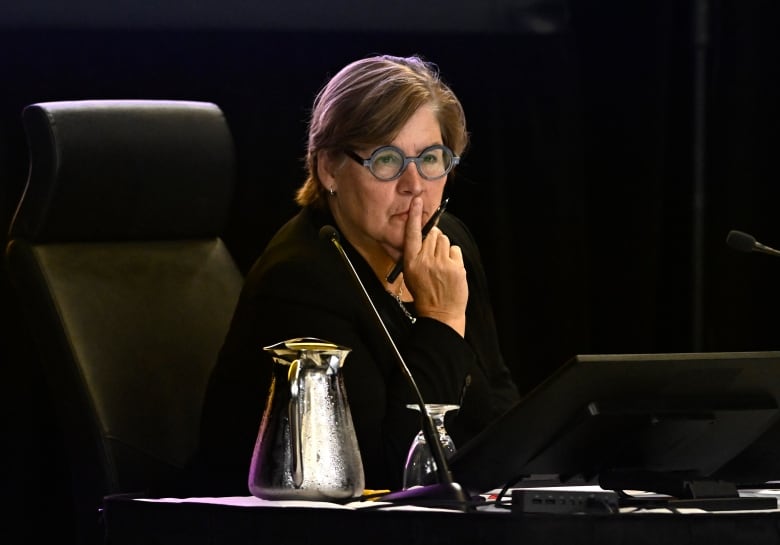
384, 135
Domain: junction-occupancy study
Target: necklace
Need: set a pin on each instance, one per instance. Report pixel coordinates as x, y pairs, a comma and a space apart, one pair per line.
397, 297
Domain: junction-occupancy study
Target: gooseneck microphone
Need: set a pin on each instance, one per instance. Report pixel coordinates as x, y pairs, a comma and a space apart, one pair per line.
446, 493
747, 243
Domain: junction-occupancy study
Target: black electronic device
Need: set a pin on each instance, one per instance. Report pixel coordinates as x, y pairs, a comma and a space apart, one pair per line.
563, 501
661, 423
446, 493
744, 242
762, 458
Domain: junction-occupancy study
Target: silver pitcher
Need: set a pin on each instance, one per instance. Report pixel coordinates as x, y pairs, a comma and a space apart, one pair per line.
306, 447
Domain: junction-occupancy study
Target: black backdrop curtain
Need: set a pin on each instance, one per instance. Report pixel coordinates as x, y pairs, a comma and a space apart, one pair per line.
577, 171
578, 182
742, 293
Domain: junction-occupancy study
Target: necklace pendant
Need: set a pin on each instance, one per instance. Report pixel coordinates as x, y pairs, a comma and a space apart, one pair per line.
405, 310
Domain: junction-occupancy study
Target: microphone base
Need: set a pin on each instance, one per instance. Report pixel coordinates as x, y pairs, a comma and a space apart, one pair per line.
440, 495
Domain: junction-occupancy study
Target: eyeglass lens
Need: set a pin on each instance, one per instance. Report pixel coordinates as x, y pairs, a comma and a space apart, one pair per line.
389, 162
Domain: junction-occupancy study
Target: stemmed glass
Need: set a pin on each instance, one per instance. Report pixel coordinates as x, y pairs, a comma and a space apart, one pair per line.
420, 468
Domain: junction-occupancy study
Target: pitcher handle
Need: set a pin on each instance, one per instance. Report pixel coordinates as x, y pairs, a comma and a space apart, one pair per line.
295, 416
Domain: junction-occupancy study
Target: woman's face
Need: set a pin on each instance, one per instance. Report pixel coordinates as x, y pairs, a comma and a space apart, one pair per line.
371, 213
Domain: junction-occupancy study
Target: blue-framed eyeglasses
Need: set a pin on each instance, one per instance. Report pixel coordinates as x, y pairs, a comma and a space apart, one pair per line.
388, 162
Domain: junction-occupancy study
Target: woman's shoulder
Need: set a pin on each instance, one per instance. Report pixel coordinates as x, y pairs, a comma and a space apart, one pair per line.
296, 252
300, 230
457, 231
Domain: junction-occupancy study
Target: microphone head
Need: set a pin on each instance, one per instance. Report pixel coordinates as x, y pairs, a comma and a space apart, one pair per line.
328, 232
741, 241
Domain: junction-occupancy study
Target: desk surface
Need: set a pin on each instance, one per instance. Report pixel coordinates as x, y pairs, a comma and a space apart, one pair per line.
130, 521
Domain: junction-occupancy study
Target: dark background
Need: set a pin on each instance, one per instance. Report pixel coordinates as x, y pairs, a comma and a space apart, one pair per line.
614, 145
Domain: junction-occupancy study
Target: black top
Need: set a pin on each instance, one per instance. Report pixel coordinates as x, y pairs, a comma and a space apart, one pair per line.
301, 287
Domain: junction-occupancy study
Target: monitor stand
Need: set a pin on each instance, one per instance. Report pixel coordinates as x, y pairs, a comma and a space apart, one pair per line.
680, 491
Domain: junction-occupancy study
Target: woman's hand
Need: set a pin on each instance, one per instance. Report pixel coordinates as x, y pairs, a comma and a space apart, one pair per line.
434, 273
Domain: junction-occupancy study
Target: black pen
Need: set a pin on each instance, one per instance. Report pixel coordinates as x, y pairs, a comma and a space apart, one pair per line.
399, 265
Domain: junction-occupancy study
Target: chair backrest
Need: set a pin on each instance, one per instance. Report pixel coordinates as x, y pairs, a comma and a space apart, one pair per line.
116, 259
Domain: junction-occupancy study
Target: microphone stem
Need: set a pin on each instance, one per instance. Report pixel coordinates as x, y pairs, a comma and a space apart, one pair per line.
428, 428
765, 249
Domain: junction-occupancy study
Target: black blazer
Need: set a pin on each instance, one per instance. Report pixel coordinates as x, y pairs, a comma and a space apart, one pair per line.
300, 287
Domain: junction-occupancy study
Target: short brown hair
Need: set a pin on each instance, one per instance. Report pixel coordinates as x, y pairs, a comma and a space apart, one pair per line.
368, 102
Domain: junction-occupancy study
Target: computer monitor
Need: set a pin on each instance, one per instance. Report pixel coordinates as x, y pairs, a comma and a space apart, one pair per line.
638, 421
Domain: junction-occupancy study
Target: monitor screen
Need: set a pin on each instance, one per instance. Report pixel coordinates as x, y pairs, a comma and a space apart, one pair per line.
629, 414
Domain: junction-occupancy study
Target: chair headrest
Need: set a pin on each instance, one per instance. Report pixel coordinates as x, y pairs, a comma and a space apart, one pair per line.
105, 170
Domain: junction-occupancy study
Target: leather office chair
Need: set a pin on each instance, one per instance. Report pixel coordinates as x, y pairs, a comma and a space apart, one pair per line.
116, 259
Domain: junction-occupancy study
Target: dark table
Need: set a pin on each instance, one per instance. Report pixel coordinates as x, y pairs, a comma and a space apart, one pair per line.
128, 521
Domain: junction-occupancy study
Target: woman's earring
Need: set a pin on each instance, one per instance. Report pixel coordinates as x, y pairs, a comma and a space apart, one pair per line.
331, 192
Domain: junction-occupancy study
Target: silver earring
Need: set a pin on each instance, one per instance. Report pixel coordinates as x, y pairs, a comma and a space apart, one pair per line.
332, 192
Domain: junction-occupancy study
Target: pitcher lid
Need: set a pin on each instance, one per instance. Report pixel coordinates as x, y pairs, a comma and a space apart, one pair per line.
303, 343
